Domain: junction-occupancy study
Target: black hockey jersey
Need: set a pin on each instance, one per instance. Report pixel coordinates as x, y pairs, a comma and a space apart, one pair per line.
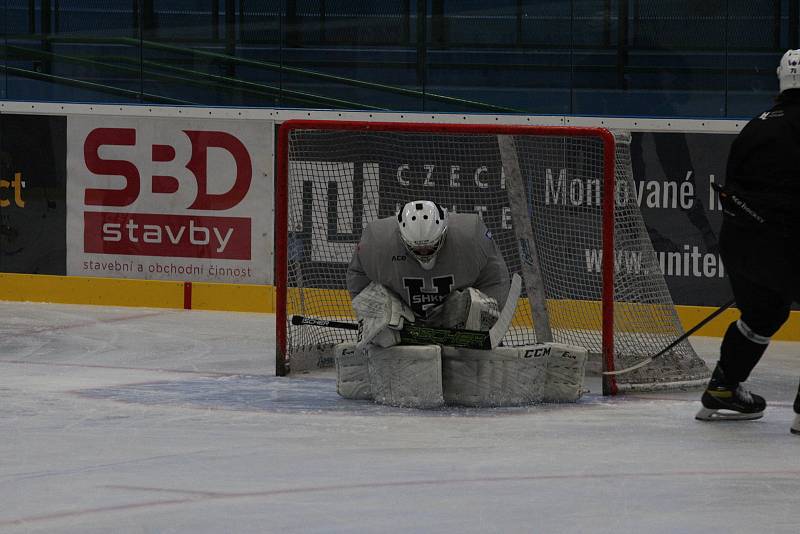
763, 173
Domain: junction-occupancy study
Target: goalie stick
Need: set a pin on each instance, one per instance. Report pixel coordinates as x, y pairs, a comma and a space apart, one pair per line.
666, 349
432, 335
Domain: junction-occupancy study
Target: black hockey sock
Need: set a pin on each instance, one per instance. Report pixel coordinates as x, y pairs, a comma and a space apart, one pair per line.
797, 402
738, 354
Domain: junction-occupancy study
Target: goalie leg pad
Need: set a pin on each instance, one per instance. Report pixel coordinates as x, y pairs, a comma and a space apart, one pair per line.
352, 372
406, 376
566, 369
505, 376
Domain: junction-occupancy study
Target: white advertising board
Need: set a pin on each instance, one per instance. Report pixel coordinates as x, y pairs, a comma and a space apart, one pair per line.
156, 198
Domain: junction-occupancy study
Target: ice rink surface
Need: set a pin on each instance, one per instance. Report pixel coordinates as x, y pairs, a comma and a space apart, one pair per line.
155, 421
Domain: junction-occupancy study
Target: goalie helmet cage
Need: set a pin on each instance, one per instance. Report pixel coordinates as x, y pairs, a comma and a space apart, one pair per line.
559, 202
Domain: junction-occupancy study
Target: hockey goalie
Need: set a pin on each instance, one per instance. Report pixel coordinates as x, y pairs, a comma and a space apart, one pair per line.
427, 266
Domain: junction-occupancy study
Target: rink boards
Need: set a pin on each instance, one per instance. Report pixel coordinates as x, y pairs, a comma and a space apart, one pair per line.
261, 299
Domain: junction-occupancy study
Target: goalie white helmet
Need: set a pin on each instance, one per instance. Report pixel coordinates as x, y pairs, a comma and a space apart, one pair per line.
423, 227
789, 70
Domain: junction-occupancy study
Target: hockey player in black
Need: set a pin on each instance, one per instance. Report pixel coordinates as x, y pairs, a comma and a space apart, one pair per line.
759, 244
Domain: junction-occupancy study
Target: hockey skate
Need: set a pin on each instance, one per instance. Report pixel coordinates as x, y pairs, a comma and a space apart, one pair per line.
724, 400
796, 425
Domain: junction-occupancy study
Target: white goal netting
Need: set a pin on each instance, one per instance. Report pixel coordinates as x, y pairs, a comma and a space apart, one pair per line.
336, 178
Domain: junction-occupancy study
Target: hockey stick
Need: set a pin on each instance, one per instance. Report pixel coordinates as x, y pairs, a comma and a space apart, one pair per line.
431, 335
415, 334
302, 320
666, 349
503, 323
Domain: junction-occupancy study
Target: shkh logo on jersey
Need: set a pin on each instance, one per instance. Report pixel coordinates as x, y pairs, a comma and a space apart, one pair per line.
424, 298
157, 234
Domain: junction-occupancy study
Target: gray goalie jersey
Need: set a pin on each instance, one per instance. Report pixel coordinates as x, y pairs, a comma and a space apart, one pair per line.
468, 258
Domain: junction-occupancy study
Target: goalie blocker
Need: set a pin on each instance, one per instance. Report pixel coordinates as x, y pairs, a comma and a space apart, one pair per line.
429, 376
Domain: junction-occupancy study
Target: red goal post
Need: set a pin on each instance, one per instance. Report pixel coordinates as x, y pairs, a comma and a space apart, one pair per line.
549, 194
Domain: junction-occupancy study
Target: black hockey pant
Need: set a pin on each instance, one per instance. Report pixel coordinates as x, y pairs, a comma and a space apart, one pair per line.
764, 273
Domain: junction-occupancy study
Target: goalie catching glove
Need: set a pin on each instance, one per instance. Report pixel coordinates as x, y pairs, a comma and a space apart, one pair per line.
381, 315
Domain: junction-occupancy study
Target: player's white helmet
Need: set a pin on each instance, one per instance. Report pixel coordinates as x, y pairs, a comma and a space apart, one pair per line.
789, 70
423, 226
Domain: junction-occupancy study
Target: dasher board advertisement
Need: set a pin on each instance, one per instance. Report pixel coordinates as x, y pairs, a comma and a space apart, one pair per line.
674, 177
32, 190
170, 199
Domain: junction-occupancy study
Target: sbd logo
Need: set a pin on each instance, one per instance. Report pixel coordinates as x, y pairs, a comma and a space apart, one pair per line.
156, 234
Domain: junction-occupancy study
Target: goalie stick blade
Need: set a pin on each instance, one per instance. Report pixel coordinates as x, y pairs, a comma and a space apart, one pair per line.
503, 323
666, 349
631, 368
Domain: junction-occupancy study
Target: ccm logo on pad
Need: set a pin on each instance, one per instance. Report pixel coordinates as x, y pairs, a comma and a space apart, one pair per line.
537, 352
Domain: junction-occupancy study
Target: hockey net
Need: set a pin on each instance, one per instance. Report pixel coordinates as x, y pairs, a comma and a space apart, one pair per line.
576, 198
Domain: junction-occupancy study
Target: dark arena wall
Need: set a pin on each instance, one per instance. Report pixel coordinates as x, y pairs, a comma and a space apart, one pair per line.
681, 76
